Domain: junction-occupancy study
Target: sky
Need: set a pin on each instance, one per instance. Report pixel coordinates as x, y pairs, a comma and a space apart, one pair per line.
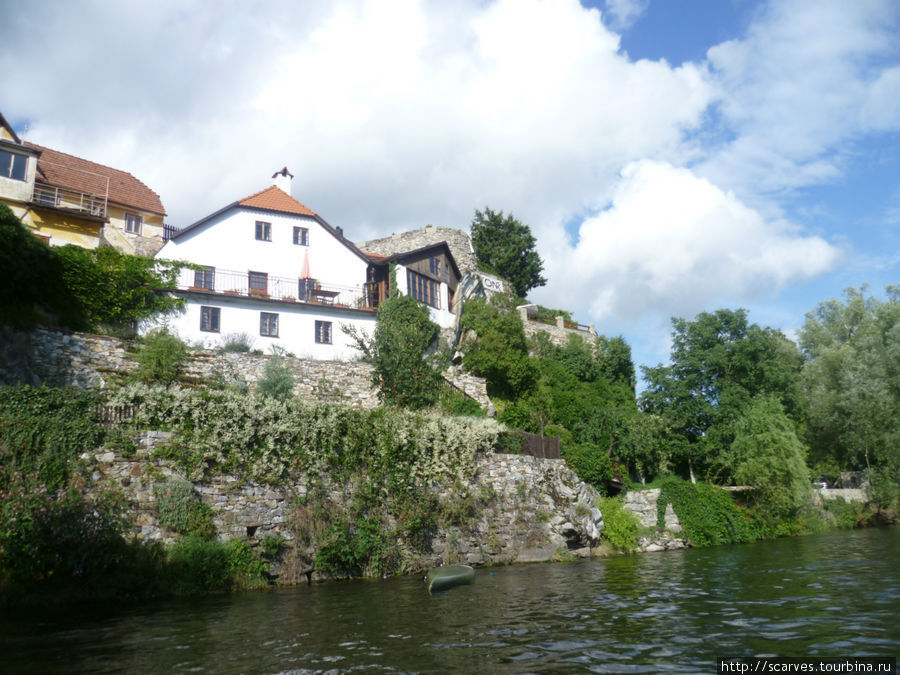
670, 156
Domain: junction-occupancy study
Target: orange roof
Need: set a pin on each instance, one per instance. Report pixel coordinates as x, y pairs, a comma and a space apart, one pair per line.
74, 173
274, 198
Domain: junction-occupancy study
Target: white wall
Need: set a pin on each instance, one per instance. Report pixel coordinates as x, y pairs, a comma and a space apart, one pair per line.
228, 242
296, 326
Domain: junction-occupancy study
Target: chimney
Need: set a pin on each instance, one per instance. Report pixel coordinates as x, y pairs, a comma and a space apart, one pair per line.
283, 179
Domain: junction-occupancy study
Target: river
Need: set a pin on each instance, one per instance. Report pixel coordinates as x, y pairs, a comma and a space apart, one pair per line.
831, 595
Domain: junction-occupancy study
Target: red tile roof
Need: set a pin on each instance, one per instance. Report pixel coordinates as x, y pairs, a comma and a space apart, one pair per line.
274, 198
67, 171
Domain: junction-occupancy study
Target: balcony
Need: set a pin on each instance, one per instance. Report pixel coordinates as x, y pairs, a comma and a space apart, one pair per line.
62, 198
284, 289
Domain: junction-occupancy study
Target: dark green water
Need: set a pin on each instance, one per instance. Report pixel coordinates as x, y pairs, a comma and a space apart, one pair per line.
830, 595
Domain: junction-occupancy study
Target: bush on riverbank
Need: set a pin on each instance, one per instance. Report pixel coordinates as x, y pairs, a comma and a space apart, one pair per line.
621, 526
707, 513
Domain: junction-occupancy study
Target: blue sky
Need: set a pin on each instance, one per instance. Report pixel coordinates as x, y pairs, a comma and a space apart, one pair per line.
671, 157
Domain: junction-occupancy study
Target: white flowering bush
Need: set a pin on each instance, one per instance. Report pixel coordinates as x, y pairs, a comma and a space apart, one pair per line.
266, 439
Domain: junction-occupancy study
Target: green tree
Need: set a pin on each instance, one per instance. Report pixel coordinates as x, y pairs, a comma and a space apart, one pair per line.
500, 351
720, 362
506, 247
78, 288
767, 454
404, 374
851, 379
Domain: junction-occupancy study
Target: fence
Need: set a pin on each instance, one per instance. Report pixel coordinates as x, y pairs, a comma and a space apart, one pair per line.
536, 445
111, 415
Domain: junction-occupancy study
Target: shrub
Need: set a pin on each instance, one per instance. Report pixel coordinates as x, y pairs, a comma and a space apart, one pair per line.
245, 568
236, 342
455, 403
43, 430
590, 463
198, 565
57, 539
620, 526
277, 380
161, 358
404, 374
179, 509
708, 514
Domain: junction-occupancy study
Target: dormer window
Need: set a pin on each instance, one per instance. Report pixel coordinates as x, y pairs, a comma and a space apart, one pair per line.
133, 223
12, 165
263, 231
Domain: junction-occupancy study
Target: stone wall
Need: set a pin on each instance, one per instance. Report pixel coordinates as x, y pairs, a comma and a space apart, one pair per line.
458, 241
558, 333
849, 495
643, 504
530, 509
94, 361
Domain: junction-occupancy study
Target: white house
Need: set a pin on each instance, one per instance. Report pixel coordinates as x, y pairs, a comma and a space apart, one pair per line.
275, 271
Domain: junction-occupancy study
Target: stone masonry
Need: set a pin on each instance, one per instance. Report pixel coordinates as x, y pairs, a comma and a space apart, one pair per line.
95, 361
534, 508
458, 241
558, 333
643, 505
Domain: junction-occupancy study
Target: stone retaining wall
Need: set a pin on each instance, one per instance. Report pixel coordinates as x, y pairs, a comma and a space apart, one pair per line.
530, 509
643, 504
558, 333
849, 495
93, 361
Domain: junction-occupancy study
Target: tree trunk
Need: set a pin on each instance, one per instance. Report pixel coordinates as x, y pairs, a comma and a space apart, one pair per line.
691, 470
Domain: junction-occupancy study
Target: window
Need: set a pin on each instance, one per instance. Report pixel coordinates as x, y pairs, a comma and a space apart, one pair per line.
435, 265
12, 165
424, 289
305, 288
259, 283
209, 319
205, 278
323, 332
268, 324
133, 223
301, 236
263, 231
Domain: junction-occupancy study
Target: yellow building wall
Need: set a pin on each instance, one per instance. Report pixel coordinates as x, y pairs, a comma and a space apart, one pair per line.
148, 242
63, 228
4, 134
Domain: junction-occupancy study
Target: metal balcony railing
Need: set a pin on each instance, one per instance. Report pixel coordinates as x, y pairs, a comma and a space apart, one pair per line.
47, 195
261, 285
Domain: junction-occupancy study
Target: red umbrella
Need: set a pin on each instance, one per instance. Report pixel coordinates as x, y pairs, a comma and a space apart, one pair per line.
304, 271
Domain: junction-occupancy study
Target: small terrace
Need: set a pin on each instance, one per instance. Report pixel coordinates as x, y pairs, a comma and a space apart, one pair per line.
264, 286
92, 198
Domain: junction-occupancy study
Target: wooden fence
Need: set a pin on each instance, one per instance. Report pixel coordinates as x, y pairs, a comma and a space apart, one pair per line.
536, 445
111, 415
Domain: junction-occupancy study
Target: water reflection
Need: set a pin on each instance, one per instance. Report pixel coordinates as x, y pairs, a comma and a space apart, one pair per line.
833, 595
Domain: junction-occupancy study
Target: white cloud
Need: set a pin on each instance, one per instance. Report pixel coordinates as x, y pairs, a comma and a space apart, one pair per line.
803, 84
624, 13
390, 115
673, 244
